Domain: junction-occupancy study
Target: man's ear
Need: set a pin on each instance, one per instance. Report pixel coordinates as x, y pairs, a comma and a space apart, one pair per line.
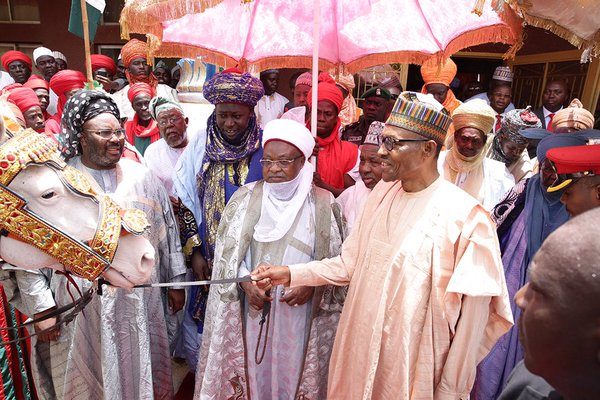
430, 148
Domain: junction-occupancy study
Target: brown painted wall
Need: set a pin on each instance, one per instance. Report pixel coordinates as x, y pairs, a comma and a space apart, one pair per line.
52, 32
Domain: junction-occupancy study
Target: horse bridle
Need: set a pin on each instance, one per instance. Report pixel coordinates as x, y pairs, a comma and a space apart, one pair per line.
85, 259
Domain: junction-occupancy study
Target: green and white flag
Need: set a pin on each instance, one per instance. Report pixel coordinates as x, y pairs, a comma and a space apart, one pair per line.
95, 8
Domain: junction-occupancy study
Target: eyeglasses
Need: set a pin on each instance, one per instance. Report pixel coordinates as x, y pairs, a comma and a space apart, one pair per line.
167, 121
107, 133
389, 142
280, 163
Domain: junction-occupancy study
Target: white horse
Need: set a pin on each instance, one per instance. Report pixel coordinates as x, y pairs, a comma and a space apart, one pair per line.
78, 216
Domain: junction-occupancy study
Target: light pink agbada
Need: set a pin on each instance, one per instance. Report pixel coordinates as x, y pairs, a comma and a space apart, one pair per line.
427, 296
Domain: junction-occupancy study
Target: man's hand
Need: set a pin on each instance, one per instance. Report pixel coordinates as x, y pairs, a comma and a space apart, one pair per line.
199, 265
318, 181
50, 335
298, 296
267, 276
176, 299
256, 297
107, 84
316, 149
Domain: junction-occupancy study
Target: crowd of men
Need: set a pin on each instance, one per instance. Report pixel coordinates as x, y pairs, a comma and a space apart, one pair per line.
434, 250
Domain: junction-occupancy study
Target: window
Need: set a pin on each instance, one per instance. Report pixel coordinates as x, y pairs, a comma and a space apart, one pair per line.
110, 50
25, 48
19, 11
112, 11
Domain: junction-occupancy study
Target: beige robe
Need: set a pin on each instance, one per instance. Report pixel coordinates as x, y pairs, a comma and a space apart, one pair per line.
427, 297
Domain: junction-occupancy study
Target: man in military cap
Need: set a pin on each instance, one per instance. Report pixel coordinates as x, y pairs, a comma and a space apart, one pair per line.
578, 169
377, 107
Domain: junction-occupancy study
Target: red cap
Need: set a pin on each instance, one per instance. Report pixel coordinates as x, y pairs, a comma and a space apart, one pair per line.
574, 162
327, 90
14, 55
138, 88
24, 98
35, 82
102, 61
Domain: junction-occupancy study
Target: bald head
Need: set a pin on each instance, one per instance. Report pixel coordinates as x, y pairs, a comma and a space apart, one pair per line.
572, 254
560, 323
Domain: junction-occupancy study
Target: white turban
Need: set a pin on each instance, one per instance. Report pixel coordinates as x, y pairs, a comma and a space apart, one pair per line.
292, 132
281, 202
40, 52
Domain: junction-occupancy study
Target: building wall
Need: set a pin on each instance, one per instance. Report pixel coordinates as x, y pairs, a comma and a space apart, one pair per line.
52, 32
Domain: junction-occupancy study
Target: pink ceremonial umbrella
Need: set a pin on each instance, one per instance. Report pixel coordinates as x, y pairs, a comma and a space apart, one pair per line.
320, 34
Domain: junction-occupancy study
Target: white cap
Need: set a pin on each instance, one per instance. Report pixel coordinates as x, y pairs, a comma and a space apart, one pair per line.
40, 52
59, 56
292, 132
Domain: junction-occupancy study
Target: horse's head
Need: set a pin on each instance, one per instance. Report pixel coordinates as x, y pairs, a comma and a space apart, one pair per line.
52, 216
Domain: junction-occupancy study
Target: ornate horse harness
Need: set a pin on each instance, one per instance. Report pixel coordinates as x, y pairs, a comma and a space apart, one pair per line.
85, 259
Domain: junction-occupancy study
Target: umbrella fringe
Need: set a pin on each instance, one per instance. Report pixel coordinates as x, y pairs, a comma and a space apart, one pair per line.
592, 46
148, 16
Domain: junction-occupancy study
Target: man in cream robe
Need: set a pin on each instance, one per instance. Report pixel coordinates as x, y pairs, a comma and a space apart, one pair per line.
427, 296
281, 219
465, 164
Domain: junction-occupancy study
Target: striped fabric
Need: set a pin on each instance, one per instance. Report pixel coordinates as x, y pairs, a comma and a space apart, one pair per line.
421, 114
14, 359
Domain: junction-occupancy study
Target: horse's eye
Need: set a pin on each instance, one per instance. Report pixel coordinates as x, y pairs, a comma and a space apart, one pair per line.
48, 195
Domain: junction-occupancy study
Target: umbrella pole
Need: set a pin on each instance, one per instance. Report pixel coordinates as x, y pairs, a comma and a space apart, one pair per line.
315, 70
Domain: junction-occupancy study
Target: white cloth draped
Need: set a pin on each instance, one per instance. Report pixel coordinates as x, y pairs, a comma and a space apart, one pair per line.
281, 203
352, 201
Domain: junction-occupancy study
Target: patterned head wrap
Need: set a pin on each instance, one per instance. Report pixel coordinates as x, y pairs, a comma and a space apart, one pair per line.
574, 116
14, 55
134, 49
233, 86
433, 72
503, 73
422, 114
59, 56
304, 79
516, 120
346, 81
474, 114
374, 133
160, 104
81, 107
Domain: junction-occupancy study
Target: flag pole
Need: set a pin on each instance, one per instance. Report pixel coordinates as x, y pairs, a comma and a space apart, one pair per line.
86, 42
